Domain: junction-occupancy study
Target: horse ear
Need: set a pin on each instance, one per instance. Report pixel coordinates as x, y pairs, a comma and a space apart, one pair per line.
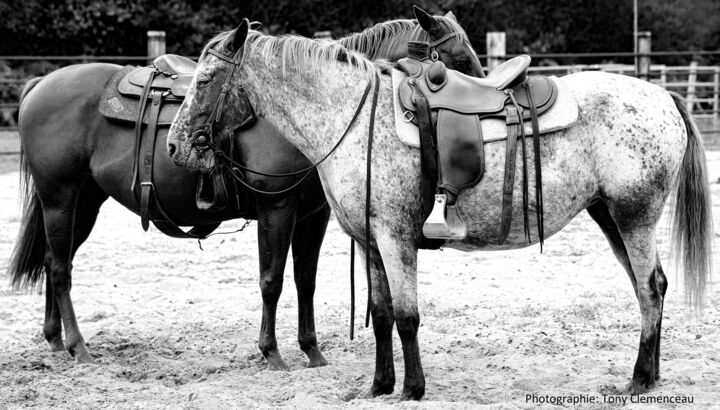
450, 15
427, 22
238, 37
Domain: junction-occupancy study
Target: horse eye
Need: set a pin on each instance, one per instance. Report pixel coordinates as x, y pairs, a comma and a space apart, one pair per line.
462, 65
203, 80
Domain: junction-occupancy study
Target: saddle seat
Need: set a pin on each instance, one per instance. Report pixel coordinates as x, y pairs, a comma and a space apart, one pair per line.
507, 74
172, 64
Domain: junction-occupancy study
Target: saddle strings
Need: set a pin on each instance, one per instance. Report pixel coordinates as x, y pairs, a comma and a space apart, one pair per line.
521, 125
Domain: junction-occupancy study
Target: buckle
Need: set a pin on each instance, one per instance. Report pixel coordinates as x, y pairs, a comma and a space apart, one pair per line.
408, 116
434, 56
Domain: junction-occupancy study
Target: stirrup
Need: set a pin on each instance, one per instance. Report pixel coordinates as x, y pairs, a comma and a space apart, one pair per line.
444, 221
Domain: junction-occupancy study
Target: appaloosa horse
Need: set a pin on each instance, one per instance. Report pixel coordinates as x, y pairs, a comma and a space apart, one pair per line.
74, 158
618, 161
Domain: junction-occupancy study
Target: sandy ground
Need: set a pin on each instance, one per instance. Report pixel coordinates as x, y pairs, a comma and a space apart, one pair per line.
172, 326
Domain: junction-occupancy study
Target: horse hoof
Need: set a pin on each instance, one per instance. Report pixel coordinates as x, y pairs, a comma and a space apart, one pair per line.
278, 366
56, 346
637, 388
317, 361
378, 390
84, 359
415, 393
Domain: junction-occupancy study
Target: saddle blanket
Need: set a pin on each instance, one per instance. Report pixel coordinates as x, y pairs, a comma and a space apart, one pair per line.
563, 114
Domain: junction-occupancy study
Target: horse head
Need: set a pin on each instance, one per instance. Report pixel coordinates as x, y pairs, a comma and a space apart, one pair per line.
449, 42
202, 134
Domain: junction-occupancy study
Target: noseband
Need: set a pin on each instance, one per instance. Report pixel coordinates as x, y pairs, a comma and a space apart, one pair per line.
203, 136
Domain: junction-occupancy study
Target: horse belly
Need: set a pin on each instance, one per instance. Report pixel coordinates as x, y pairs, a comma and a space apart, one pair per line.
569, 186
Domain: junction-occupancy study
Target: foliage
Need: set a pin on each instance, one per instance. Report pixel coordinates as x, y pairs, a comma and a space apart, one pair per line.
112, 27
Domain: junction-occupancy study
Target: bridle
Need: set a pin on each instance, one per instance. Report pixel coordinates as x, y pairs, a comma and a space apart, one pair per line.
434, 56
202, 138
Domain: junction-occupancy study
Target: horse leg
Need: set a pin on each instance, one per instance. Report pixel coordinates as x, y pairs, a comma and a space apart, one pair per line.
381, 311
88, 205
306, 243
400, 263
601, 214
651, 287
275, 229
58, 214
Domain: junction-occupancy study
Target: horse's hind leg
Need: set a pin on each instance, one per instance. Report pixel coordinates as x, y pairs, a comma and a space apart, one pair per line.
651, 287
88, 205
634, 245
600, 214
306, 243
58, 206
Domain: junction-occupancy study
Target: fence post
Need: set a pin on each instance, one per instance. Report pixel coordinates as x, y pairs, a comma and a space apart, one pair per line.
716, 97
644, 48
155, 44
495, 42
692, 79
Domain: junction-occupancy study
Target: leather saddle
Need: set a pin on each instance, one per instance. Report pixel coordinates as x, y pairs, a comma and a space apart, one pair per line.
148, 98
447, 106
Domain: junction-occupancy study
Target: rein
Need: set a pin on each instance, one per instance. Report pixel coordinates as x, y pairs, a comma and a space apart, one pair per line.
234, 171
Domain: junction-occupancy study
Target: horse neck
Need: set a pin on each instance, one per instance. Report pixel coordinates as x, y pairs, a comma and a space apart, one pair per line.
312, 108
392, 45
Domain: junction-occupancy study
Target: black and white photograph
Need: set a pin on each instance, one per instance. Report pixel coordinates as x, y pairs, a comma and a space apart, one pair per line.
316, 204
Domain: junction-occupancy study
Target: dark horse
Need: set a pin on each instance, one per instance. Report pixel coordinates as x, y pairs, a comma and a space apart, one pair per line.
73, 159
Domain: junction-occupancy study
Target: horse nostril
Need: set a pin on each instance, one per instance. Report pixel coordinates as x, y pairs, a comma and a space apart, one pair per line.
171, 149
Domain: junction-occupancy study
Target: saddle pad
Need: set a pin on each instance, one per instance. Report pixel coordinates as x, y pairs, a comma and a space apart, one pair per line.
561, 115
125, 108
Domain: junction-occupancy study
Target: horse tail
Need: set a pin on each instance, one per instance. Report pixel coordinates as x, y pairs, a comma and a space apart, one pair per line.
692, 225
28, 257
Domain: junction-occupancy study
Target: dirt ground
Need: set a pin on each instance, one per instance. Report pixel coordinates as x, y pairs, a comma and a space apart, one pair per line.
172, 326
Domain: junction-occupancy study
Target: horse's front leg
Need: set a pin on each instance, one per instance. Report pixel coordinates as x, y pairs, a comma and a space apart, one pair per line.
275, 229
399, 258
306, 243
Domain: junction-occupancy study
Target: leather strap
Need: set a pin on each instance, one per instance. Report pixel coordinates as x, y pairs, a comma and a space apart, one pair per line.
169, 228
540, 213
371, 133
513, 122
427, 138
525, 199
138, 129
148, 150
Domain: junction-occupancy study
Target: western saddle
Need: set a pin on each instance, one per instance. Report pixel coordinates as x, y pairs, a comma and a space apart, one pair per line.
148, 98
447, 107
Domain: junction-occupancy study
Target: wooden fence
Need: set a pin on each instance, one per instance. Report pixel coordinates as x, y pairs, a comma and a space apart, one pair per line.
700, 85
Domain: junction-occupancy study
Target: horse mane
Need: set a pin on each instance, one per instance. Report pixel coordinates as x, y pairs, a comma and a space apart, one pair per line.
389, 39
296, 51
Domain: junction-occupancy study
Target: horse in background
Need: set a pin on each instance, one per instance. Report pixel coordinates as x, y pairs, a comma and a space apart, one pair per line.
73, 159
